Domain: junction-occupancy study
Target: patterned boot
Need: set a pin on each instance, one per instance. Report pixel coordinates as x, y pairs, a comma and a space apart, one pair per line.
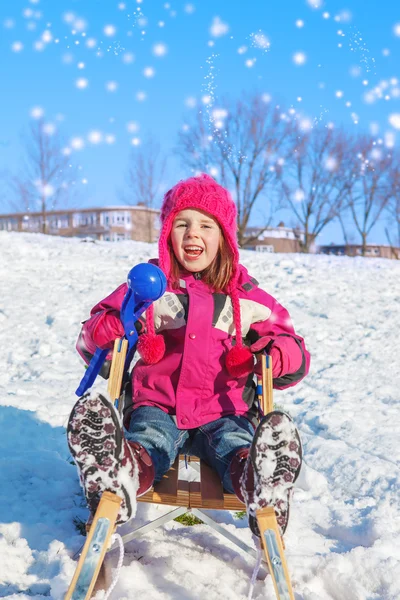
272, 467
105, 460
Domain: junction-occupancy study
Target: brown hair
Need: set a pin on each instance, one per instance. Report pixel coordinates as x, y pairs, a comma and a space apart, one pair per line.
217, 275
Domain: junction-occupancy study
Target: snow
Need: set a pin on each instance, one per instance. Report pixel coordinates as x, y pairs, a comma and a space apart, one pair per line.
342, 541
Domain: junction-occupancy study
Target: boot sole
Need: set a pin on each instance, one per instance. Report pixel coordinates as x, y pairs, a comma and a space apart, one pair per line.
96, 442
280, 483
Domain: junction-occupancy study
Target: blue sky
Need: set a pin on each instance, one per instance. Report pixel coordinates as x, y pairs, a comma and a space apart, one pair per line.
142, 64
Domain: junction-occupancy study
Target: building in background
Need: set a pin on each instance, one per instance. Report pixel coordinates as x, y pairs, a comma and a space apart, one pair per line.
372, 250
274, 239
109, 223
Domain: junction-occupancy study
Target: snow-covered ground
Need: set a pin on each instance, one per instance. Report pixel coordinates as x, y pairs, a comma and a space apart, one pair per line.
343, 539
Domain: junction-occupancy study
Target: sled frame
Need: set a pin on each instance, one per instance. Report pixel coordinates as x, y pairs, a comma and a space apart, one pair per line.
185, 497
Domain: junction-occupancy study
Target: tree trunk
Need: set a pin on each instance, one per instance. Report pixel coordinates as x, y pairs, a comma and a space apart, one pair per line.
364, 244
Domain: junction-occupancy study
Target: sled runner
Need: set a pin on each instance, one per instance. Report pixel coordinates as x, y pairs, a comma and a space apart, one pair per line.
183, 496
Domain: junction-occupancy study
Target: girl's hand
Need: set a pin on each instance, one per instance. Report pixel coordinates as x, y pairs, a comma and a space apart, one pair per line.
284, 351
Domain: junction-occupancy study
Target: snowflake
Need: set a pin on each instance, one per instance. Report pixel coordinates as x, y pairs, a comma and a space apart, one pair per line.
77, 143
191, 102
132, 126
110, 30
111, 86
95, 137
218, 28
160, 49
149, 72
128, 58
17, 46
299, 58
81, 83
37, 112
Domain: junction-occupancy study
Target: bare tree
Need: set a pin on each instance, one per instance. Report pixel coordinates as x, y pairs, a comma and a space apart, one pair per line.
240, 144
393, 210
316, 179
45, 178
376, 185
145, 174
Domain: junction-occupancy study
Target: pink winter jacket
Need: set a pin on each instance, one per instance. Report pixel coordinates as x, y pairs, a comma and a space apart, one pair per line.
191, 380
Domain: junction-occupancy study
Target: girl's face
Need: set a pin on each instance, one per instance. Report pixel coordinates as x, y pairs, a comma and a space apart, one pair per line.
195, 238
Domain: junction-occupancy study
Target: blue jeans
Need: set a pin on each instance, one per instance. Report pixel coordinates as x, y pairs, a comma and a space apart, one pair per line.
216, 442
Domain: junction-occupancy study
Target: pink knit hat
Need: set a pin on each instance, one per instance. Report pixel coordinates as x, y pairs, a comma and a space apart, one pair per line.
202, 193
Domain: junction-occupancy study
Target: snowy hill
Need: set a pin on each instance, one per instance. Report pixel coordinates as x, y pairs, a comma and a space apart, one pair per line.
343, 538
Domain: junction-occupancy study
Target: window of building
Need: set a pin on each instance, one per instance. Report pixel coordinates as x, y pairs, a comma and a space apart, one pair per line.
264, 248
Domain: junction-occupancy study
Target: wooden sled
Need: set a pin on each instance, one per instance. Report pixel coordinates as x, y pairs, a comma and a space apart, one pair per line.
184, 497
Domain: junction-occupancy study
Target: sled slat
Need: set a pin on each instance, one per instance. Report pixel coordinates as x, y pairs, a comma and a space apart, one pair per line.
117, 368
265, 383
274, 553
95, 547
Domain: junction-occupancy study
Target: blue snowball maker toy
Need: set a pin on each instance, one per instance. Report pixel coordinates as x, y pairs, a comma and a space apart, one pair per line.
146, 283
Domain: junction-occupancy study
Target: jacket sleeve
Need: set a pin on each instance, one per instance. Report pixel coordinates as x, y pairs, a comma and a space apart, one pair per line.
103, 326
278, 331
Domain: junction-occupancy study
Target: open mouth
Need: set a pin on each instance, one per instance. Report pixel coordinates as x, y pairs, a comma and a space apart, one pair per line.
193, 251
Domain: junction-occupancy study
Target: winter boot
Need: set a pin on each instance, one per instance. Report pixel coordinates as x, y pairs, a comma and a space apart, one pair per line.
270, 470
105, 460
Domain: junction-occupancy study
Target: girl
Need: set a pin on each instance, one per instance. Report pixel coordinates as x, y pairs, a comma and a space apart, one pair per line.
193, 389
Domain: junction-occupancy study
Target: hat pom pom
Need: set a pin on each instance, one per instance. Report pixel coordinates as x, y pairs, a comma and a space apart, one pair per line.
151, 348
239, 361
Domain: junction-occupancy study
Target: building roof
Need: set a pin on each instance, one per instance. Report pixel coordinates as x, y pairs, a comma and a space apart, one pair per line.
62, 211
